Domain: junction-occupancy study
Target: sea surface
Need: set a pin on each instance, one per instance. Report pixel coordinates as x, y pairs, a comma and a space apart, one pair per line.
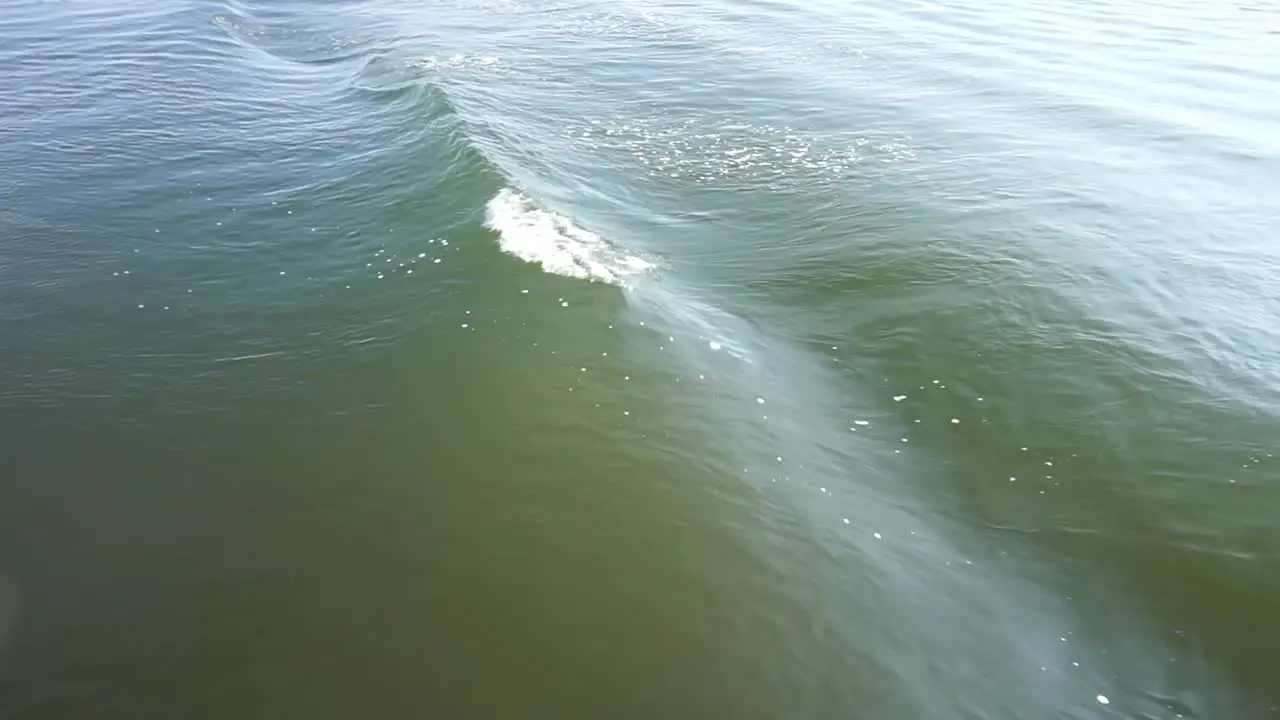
871, 359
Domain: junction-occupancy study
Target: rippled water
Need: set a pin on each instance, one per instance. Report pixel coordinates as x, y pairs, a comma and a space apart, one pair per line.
644, 359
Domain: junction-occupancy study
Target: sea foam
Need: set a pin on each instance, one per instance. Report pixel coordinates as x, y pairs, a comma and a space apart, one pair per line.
545, 238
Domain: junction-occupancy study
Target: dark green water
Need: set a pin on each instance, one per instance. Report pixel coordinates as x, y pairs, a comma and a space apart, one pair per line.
541, 359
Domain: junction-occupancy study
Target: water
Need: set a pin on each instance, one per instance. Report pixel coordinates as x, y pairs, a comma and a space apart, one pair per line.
525, 358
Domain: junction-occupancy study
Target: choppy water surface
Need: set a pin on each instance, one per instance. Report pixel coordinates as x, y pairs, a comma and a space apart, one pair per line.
525, 358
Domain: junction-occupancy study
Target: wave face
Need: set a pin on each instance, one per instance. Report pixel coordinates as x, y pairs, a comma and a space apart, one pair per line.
510, 358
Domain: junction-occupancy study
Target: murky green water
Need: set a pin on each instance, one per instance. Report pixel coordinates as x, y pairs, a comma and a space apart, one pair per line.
641, 359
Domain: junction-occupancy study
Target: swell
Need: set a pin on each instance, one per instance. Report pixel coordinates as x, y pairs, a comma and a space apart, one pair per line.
366, 71
797, 452
288, 39
479, 161
1120, 404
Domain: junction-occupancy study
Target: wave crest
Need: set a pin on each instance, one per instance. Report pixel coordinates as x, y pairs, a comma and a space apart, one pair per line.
553, 241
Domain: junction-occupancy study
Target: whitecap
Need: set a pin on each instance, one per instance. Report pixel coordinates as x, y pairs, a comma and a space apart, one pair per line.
554, 242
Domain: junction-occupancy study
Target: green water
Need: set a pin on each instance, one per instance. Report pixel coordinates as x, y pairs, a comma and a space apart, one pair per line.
524, 358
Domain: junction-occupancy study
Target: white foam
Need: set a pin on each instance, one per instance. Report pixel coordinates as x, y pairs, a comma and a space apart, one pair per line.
553, 241
432, 62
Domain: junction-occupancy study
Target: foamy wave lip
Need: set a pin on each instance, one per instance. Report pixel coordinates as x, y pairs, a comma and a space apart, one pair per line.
544, 238
432, 62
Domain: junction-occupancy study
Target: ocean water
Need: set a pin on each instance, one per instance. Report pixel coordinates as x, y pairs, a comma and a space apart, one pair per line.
640, 359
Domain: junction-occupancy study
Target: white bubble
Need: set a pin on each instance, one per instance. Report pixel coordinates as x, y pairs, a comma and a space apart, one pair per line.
1103, 699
